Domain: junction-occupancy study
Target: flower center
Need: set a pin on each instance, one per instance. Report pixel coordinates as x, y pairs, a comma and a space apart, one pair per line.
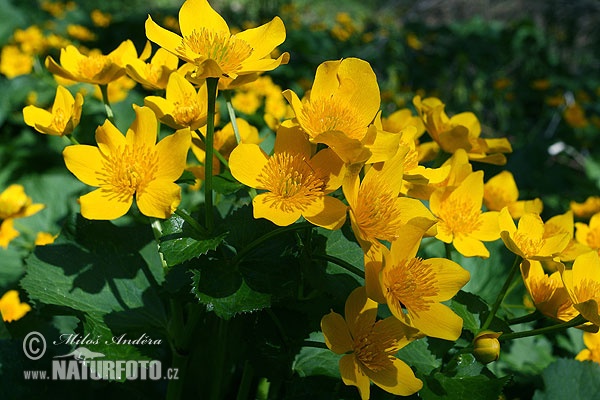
153, 72
411, 160
327, 114
228, 51
588, 290
377, 213
59, 121
593, 238
93, 65
412, 284
542, 289
529, 246
374, 350
129, 171
291, 181
460, 217
187, 111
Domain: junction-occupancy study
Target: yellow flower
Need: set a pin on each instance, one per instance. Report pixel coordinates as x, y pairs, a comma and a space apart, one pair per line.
414, 289
155, 74
182, 105
11, 307
44, 238
80, 32
529, 239
122, 166
461, 221
501, 191
7, 232
376, 211
589, 235
14, 203
95, 68
208, 44
564, 223
14, 63
583, 285
461, 131
100, 19
31, 40
574, 114
589, 207
296, 183
547, 291
61, 119
370, 347
339, 110
592, 344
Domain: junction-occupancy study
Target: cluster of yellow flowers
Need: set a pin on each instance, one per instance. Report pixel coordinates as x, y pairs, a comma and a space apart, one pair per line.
334, 156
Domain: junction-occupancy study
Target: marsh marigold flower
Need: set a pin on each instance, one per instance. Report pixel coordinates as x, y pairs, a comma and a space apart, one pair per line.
61, 119
529, 238
155, 74
501, 191
589, 207
215, 52
14, 62
183, 106
95, 68
14, 203
124, 166
589, 234
592, 350
369, 347
583, 285
460, 218
11, 307
295, 182
414, 289
339, 109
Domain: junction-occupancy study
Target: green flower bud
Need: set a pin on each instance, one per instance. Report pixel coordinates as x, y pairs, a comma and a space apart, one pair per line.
486, 347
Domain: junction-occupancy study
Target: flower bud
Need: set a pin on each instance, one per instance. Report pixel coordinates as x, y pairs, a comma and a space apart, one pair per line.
486, 347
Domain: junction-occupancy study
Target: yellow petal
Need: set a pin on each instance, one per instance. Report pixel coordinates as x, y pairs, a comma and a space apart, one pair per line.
143, 130
265, 38
353, 375
110, 140
326, 212
102, 204
470, 247
159, 199
383, 147
166, 39
591, 340
531, 226
333, 167
85, 162
391, 172
438, 321
373, 265
326, 83
293, 141
586, 268
160, 106
179, 89
63, 101
358, 87
506, 222
450, 277
172, 154
357, 304
37, 118
246, 163
337, 335
7, 232
398, 379
488, 229
197, 14
265, 206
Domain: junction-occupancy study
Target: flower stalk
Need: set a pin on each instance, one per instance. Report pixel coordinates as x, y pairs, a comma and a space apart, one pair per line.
211, 84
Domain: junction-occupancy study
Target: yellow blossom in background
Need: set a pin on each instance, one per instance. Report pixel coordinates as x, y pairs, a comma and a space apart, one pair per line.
155, 74
80, 32
541, 84
461, 131
460, 217
44, 238
31, 40
63, 117
14, 62
117, 90
183, 106
377, 213
531, 239
295, 182
413, 41
339, 109
95, 68
582, 282
592, 351
547, 291
501, 191
369, 347
56, 41
575, 116
11, 307
246, 102
414, 288
124, 166
209, 45
55, 8
589, 235
14, 203
100, 19
7, 232
589, 207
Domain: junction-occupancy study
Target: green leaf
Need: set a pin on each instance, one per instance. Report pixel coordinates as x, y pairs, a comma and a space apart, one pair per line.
469, 307
180, 242
417, 355
316, 361
186, 178
480, 387
225, 183
243, 300
570, 379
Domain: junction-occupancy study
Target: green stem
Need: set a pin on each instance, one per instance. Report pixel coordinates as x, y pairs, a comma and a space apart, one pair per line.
255, 243
448, 248
211, 85
502, 294
246, 382
534, 316
312, 343
191, 221
215, 152
107, 107
72, 139
578, 320
219, 364
344, 264
232, 118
